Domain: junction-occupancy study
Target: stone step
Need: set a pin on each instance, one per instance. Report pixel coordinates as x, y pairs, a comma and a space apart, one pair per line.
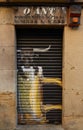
40, 127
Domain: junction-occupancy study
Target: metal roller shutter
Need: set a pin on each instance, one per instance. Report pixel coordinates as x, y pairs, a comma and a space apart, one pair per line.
39, 87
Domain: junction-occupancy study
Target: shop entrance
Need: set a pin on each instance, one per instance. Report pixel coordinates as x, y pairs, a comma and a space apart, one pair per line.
39, 76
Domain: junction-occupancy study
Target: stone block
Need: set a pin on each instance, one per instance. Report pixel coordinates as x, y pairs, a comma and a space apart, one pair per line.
73, 123
72, 103
7, 35
7, 81
7, 58
7, 111
6, 15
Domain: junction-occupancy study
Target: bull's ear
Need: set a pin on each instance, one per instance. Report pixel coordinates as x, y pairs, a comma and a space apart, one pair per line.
19, 51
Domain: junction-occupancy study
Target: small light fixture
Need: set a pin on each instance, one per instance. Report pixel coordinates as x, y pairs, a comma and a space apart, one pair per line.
74, 16
75, 19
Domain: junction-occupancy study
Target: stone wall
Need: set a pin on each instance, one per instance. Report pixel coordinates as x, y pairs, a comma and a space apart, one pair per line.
72, 75
73, 78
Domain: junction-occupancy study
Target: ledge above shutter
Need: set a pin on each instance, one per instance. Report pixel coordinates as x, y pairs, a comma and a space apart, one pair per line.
45, 1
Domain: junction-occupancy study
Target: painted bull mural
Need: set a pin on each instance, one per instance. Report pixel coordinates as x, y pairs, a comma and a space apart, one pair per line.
30, 94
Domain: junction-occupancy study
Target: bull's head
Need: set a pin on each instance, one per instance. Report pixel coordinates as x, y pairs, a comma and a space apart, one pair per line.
27, 55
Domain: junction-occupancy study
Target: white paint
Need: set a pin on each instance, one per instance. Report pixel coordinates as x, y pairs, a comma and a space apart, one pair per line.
41, 50
40, 10
26, 11
40, 71
44, 10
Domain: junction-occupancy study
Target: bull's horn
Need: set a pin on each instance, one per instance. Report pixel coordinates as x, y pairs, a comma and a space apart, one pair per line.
41, 50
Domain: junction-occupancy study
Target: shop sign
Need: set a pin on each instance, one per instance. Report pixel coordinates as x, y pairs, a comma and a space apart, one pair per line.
40, 15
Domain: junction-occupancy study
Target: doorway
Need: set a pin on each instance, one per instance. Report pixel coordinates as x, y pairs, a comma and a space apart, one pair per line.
39, 76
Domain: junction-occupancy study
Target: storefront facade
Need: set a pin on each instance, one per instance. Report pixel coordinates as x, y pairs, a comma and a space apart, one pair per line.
37, 38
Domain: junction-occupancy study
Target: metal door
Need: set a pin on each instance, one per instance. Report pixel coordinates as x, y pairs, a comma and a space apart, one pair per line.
39, 76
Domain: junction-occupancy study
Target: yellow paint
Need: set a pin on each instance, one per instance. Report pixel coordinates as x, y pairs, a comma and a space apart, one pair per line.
35, 96
52, 80
51, 107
